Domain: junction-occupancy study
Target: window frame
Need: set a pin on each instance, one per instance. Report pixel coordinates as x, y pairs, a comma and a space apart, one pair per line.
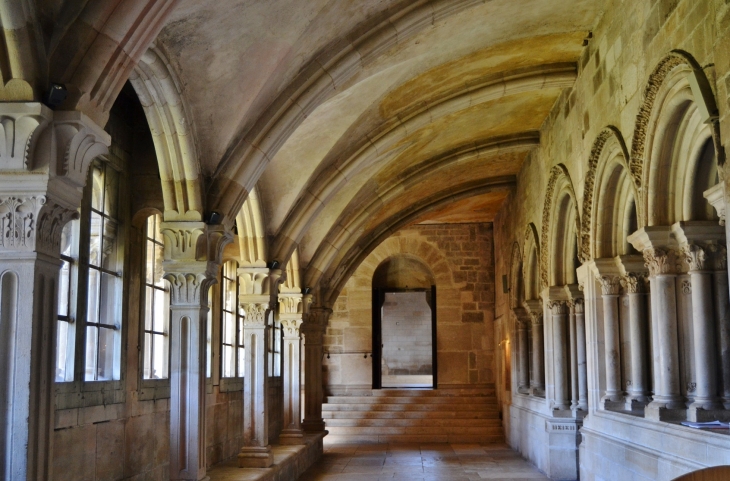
152, 388
235, 382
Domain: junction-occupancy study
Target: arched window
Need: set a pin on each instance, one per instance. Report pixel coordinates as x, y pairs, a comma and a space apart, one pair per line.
157, 305
232, 354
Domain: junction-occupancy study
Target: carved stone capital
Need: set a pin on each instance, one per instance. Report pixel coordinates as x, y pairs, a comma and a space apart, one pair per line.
696, 257
719, 256
316, 320
557, 308
579, 305
256, 313
189, 288
610, 285
181, 240
536, 318
660, 261
291, 328
634, 283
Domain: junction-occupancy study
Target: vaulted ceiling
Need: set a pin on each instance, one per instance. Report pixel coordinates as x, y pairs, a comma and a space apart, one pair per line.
352, 118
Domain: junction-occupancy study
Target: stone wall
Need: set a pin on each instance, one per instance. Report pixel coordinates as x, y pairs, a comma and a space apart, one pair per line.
461, 259
625, 47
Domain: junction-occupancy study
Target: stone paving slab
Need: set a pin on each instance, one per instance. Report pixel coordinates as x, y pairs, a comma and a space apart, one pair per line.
420, 462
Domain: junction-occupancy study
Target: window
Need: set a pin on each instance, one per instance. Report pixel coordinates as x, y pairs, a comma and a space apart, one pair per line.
209, 336
232, 323
103, 300
66, 336
157, 305
275, 342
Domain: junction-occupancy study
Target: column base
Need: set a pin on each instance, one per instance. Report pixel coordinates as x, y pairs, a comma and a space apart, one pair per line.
579, 413
698, 414
662, 411
611, 403
537, 391
562, 413
636, 404
255, 457
291, 437
313, 426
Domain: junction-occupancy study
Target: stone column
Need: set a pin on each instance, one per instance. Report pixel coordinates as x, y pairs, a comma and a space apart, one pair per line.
638, 395
313, 328
290, 313
667, 394
255, 297
44, 162
189, 278
610, 289
537, 383
703, 325
558, 310
523, 369
573, 355
722, 320
581, 360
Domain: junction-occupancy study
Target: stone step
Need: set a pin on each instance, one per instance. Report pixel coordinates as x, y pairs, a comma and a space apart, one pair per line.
410, 407
410, 400
419, 439
488, 391
443, 414
368, 422
414, 430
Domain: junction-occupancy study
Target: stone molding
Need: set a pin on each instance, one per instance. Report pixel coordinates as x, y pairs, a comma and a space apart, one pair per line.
696, 257
189, 288
610, 285
290, 305
578, 305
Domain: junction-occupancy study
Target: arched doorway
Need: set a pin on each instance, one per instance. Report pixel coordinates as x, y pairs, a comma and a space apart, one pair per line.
404, 324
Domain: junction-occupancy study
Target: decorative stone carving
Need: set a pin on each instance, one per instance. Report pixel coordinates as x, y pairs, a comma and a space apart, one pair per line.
556, 173
687, 287
578, 305
188, 288
588, 188
291, 328
558, 308
610, 285
290, 304
255, 313
719, 256
660, 261
695, 257
641, 127
634, 283
181, 239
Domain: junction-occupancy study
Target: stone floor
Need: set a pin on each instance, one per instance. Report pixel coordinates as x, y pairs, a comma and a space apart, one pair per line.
424, 462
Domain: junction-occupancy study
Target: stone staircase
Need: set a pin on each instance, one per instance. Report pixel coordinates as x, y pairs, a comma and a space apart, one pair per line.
414, 416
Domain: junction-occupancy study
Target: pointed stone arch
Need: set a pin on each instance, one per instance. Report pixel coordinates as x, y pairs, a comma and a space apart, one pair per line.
516, 282
531, 262
251, 233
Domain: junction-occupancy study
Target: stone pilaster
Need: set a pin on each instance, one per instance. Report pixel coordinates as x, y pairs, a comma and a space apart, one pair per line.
44, 161
257, 296
192, 253
291, 316
581, 357
722, 320
313, 328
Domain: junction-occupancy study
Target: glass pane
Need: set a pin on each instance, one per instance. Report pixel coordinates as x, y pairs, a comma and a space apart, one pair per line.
110, 195
229, 328
92, 304
61, 351
95, 240
160, 361
149, 266
109, 290
149, 310
97, 186
241, 353
162, 306
91, 343
63, 287
68, 238
110, 245
209, 339
159, 257
105, 366
228, 360
147, 356
157, 231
